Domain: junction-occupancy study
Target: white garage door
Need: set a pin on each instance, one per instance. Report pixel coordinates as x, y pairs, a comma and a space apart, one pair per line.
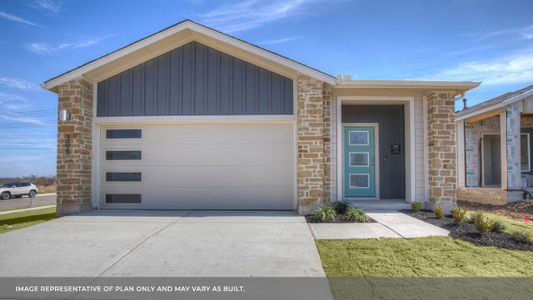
211, 166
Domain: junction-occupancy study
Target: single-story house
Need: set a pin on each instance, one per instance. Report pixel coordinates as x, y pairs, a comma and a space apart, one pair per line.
494, 147
192, 118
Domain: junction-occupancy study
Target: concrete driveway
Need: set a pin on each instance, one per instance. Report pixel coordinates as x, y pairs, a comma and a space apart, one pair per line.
163, 243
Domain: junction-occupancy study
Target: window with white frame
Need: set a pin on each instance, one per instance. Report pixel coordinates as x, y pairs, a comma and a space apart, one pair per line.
359, 159
359, 181
359, 138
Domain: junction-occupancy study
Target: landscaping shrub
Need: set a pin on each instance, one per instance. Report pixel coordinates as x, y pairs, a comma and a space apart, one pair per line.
459, 215
416, 206
324, 213
341, 207
497, 226
521, 237
356, 215
438, 212
475, 215
482, 223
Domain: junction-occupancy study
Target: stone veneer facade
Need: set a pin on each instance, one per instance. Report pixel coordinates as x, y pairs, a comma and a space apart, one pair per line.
311, 156
74, 147
314, 160
442, 166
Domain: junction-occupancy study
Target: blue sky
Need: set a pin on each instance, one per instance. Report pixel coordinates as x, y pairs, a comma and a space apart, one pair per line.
489, 41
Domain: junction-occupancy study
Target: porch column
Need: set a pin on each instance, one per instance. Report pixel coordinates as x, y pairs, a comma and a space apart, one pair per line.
74, 147
442, 177
461, 165
310, 161
512, 125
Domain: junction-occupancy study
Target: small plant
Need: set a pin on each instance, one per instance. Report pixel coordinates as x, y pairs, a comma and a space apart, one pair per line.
342, 207
482, 223
475, 215
497, 226
416, 206
356, 215
459, 215
438, 212
521, 237
324, 213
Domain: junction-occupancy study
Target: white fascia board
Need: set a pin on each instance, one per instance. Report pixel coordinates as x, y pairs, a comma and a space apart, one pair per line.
479, 112
197, 28
410, 84
518, 97
495, 106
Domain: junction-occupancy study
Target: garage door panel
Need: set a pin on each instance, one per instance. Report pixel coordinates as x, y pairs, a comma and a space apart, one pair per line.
212, 134
201, 166
221, 155
201, 155
218, 134
209, 198
193, 176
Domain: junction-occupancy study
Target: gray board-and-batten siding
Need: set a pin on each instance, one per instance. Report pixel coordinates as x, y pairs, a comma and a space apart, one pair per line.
195, 79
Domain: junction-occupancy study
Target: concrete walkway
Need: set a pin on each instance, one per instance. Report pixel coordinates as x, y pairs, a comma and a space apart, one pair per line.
25, 209
390, 224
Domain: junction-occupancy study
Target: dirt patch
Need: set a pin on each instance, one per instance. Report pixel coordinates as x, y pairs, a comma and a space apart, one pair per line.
338, 219
514, 210
468, 232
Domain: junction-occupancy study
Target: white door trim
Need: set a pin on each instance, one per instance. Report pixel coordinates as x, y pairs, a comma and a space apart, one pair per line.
409, 104
376, 158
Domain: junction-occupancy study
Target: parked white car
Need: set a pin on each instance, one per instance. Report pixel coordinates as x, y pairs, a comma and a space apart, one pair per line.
17, 190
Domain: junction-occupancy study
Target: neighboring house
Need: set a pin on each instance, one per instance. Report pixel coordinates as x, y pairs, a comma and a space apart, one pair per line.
191, 118
494, 148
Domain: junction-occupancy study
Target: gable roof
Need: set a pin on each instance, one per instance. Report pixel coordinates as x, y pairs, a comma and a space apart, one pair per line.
495, 103
187, 24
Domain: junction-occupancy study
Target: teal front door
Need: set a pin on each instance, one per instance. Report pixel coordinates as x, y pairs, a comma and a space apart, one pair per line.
359, 161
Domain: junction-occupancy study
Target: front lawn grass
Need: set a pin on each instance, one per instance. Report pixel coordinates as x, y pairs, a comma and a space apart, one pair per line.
421, 257
511, 226
9, 222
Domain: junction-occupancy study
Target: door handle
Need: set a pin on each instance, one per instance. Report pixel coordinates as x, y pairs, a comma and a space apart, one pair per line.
386, 157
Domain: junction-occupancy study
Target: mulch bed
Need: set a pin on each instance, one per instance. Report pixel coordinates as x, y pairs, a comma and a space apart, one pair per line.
514, 210
338, 219
468, 232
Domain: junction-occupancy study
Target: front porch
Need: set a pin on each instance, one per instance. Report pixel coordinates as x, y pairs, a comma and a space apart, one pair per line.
494, 151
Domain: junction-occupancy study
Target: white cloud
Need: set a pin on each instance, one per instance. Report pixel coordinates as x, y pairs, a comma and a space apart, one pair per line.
44, 48
17, 83
250, 14
12, 102
523, 33
282, 40
506, 70
53, 6
12, 106
16, 19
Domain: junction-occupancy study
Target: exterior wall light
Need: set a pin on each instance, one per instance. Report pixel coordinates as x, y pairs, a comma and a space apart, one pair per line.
64, 115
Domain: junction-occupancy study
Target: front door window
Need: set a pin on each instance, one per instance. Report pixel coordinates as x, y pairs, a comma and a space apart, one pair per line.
359, 161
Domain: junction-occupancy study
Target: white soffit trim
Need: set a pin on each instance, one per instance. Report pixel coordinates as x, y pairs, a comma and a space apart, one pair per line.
495, 106
408, 84
187, 24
